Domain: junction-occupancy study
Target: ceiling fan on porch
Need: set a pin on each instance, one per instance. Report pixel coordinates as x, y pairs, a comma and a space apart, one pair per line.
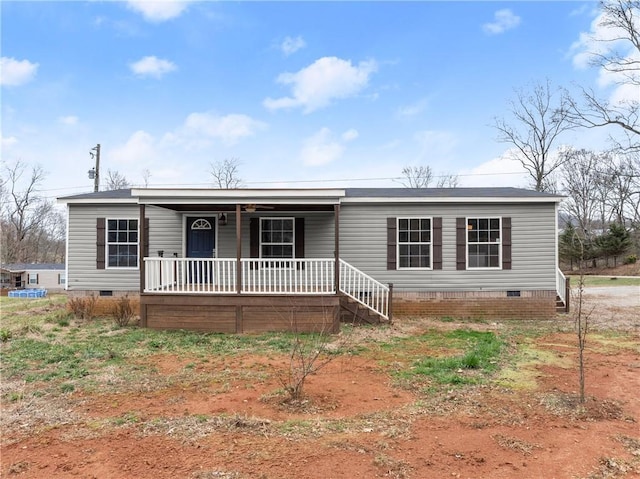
252, 207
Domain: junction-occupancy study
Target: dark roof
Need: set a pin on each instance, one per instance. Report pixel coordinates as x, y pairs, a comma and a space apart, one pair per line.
101, 195
479, 192
32, 266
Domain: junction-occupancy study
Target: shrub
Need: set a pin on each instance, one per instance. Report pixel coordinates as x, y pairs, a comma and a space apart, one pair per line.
631, 259
5, 335
123, 311
84, 307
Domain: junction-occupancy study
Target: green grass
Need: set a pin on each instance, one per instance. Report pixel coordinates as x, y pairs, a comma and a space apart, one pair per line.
605, 281
444, 357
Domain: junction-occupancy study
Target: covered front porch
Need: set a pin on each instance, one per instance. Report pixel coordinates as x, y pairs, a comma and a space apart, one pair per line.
247, 263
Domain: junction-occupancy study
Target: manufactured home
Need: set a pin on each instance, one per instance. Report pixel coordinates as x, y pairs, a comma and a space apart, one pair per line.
42, 276
251, 260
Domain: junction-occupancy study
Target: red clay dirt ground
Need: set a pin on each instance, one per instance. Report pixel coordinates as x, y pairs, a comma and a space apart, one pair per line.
354, 423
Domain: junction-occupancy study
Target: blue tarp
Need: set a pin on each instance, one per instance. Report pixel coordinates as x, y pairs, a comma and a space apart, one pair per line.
28, 293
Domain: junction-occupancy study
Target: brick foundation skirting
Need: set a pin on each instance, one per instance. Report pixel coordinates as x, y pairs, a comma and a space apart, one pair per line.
476, 304
105, 304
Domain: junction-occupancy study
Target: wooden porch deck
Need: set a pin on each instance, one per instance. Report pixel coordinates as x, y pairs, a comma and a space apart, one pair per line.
245, 313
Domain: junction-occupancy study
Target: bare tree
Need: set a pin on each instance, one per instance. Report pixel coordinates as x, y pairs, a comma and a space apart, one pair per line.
416, 176
225, 173
580, 182
448, 180
146, 176
539, 117
24, 211
116, 181
618, 54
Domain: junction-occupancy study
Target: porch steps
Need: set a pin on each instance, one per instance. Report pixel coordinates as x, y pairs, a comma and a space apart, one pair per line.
561, 307
351, 311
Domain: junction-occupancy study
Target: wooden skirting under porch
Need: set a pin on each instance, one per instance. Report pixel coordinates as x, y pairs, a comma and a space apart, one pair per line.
244, 313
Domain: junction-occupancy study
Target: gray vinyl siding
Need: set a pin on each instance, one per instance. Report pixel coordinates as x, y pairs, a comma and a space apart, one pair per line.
81, 262
165, 231
319, 237
363, 243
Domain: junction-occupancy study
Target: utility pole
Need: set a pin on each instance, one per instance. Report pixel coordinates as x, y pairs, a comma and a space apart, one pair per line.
94, 173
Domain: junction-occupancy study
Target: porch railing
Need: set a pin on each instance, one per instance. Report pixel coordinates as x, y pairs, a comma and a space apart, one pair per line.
563, 288
190, 275
264, 276
364, 289
288, 276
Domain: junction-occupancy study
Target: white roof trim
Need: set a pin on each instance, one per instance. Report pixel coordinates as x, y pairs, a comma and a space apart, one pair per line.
453, 199
98, 201
241, 194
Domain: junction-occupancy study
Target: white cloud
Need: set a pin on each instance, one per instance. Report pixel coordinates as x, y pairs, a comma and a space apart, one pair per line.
138, 149
503, 20
159, 10
603, 39
8, 141
199, 128
152, 66
500, 171
317, 85
16, 72
414, 109
292, 45
68, 120
350, 135
436, 145
322, 148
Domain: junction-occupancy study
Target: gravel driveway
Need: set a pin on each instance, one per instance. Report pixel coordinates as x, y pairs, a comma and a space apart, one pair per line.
614, 307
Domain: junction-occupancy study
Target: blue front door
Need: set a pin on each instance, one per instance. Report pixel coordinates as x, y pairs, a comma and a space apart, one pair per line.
201, 237
201, 243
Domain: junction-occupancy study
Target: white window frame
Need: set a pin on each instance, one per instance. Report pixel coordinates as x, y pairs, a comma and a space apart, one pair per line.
498, 242
32, 278
430, 243
293, 240
107, 243
62, 278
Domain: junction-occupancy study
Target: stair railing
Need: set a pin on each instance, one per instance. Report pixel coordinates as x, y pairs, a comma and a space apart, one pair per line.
364, 289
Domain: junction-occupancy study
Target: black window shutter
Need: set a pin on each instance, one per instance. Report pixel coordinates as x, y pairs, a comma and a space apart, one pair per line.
145, 246
506, 243
254, 237
299, 234
100, 240
392, 228
437, 243
461, 244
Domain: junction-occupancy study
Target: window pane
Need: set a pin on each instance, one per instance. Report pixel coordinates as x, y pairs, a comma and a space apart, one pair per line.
425, 224
425, 237
403, 237
133, 237
472, 236
415, 224
403, 224
473, 223
483, 236
494, 236
495, 223
483, 224
404, 250
414, 236
112, 236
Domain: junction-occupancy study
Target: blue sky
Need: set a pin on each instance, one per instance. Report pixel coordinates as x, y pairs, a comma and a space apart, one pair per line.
298, 92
